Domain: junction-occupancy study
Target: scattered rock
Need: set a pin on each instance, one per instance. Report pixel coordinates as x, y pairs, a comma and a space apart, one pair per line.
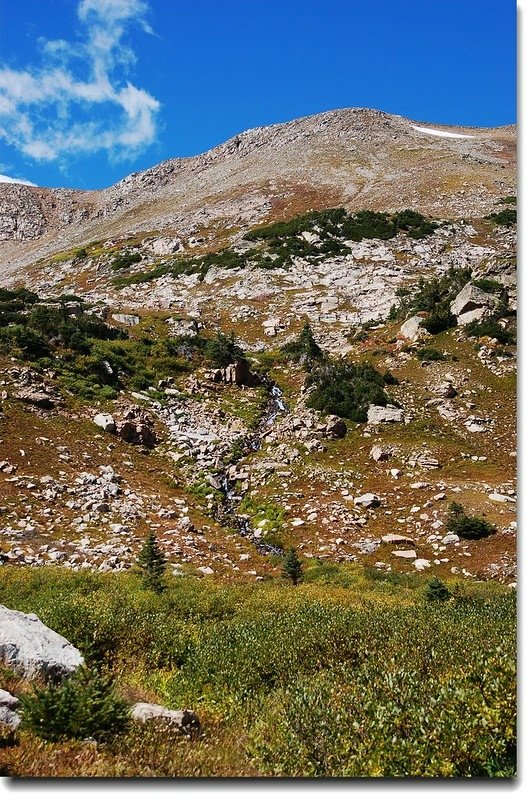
501, 498
405, 554
421, 563
380, 453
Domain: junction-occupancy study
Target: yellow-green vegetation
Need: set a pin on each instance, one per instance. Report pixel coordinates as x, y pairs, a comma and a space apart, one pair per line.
357, 677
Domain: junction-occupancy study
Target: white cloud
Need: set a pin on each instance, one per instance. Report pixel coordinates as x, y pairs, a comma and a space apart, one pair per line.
52, 112
7, 179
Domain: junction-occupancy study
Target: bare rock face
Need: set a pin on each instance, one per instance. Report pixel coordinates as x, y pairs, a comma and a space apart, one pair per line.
472, 304
21, 214
33, 650
180, 721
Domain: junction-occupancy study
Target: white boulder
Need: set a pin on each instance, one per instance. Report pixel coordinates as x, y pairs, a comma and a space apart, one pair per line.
367, 500
413, 328
105, 421
31, 649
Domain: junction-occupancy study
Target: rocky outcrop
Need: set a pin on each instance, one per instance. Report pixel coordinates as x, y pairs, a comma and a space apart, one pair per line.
237, 374
472, 304
135, 426
31, 649
34, 397
335, 427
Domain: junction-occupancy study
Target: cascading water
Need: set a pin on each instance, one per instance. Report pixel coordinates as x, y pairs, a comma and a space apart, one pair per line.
226, 513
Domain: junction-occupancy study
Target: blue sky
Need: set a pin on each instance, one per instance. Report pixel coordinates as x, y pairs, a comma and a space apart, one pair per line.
91, 90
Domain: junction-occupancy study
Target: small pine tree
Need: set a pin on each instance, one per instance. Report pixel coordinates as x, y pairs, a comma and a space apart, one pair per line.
292, 567
83, 706
152, 563
436, 590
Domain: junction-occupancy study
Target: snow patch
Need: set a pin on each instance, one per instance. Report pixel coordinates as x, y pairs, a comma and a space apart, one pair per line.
446, 134
7, 179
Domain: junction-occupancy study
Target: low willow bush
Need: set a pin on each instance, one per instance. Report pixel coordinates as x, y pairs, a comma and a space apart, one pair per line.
359, 678
396, 721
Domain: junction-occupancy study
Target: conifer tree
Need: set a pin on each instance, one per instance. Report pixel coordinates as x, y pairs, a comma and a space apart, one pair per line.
152, 562
292, 567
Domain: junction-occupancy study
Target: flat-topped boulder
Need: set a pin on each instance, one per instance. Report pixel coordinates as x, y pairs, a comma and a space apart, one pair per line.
381, 414
181, 721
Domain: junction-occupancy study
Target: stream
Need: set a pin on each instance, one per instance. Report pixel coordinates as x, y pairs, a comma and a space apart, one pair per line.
226, 512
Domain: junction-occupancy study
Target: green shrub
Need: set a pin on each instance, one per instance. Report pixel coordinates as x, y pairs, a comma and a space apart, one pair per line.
430, 354
397, 721
432, 294
125, 260
222, 350
466, 526
436, 590
506, 216
347, 389
490, 327
488, 285
83, 706
439, 320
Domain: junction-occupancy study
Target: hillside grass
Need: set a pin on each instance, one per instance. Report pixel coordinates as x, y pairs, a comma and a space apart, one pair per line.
351, 673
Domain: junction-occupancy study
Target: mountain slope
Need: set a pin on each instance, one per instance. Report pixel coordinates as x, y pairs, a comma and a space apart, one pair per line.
358, 158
